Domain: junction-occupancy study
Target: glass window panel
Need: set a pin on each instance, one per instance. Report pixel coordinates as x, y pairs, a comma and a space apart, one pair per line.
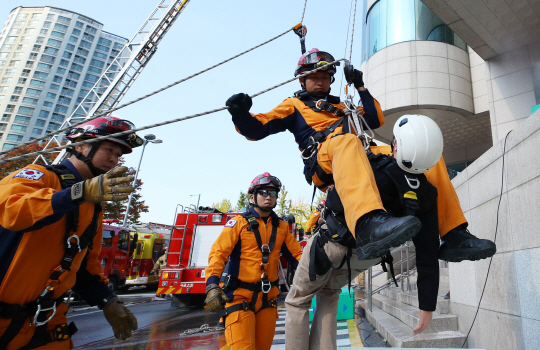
400, 21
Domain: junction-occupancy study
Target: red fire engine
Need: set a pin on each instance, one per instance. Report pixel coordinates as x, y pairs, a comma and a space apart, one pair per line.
193, 235
114, 254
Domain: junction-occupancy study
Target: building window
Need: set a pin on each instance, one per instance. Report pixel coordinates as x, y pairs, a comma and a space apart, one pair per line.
97, 63
57, 34
47, 59
118, 46
22, 47
64, 63
70, 47
73, 75
64, 100
14, 63
61, 109
5, 80
54, 43
18, 128
76, 67
3, 89
51, 95
79, 59
67, 92
73, 39
36, 15
22, 120
88, 37
59, 118
37, 131
67, 55
15, 31
25, 39
40, 123
50, 17
19, 55
14, 138
47, 104
76, 32
60, 27
30, 101
82, 52
100, 55
44, 67
41, 75
90, 30
29, 31
391, 21
43, 31
105, 42
85, 44
11, 39
22, 16
102, 48
53, 126
6, 117
79, 25
94, 70
92, 78
65, 20
7, 147
10, 72
54, 87
7, 47
26, 110
19, 24
43, 114
60, 70
70, 83
33, 92
32, 23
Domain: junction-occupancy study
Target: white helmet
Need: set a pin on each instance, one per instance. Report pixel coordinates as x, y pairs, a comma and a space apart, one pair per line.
419, 143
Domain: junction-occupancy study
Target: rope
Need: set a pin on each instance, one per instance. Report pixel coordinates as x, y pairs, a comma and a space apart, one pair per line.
143, 97
101, 138
352, 33
203, 328
345, 50
303, 12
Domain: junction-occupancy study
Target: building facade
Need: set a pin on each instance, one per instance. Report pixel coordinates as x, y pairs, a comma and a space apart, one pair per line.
49, 60
474, 67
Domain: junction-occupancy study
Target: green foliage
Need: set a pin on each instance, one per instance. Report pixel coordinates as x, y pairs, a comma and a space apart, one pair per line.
224, 206
243, 202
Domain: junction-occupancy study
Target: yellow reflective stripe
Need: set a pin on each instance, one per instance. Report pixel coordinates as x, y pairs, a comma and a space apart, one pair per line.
410, 195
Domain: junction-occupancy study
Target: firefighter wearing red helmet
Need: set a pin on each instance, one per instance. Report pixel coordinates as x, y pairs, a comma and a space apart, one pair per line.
51, 228
252, 243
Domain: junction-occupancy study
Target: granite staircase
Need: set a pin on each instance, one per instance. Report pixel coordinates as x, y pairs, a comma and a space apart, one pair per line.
395, 314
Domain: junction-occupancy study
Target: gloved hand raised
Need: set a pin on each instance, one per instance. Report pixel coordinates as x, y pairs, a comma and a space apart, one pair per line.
358, 80
239, 103
102, 188
123, 322
215, 298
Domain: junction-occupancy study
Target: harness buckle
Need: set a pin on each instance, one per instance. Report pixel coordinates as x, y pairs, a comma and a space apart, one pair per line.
310, 149
265, 282
78, 242
412, 180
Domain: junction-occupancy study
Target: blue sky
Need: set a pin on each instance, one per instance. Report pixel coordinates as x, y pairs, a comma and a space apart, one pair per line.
206, 155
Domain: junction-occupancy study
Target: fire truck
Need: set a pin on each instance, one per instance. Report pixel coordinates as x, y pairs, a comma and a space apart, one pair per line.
193, 234
114, 255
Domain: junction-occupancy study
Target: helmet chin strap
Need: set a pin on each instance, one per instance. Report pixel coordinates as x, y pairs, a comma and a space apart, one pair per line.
88, 159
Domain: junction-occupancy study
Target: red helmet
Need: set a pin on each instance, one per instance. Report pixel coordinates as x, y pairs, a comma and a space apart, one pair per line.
322, 202
103, 126
264, 180
314, 59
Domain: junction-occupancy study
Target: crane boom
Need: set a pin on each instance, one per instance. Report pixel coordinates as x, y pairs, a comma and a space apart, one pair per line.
121, 73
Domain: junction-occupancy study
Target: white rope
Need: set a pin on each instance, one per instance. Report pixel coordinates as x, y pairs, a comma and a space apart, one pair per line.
141, 98
102, 138
352, 33
201, 329
303, 12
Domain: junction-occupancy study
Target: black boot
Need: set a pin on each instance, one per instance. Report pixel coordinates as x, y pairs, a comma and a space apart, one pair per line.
378, 231
459, 244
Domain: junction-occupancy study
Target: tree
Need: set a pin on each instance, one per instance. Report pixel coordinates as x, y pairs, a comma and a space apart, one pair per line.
9, 167
224, 206
243, 202
283, 204
117, 210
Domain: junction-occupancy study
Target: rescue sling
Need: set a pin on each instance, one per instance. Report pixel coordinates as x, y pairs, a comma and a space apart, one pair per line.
233, 283
39, 308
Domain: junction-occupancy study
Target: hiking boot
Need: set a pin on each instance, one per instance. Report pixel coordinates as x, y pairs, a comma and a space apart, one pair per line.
378, 231
459, 244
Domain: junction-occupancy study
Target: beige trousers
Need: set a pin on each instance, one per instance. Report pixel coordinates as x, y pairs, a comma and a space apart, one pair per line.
323, 334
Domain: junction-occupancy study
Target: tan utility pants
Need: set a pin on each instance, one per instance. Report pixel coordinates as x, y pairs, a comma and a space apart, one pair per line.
323, 334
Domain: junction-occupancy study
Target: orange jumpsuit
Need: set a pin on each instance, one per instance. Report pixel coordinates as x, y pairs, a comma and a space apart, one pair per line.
312, 222
246, 329
344, 156
32, 227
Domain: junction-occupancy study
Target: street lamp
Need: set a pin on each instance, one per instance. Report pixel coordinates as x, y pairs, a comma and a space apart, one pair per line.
147, 138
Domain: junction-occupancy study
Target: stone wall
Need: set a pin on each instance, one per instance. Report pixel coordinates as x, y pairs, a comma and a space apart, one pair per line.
509, 315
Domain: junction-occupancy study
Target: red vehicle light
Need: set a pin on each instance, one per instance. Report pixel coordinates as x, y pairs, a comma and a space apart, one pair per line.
202, 218
230, 217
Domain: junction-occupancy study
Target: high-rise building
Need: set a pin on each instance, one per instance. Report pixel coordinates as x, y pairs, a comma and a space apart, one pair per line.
49, 60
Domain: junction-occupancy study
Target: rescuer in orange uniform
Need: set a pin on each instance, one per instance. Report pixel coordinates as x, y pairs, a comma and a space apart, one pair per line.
51, 229
334, 155
313, 220
251, 242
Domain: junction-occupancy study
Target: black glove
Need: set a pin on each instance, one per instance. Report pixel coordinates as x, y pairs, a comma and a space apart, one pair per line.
239, 103
358, 79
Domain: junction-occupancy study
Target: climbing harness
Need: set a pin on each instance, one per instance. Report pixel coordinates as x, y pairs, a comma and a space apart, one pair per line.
233, 283
45, 303
101, 138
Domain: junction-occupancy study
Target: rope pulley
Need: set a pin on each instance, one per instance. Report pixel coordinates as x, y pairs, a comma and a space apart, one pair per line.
301, 31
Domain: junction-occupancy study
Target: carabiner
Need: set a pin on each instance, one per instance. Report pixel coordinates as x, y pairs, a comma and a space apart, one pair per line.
39, 310
265, 282
78, 241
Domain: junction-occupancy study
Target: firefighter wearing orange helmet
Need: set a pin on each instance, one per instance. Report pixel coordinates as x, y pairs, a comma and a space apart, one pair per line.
56, 210
314, 219
252, 243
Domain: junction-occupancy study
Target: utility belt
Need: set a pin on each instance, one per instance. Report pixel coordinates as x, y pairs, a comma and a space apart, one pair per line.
233, 283
37, 311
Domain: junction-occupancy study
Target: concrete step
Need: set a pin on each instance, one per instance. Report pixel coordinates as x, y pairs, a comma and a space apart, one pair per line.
411, 298
400, 335
410, 315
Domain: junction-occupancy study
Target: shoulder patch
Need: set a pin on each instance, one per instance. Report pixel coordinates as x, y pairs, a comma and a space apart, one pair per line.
316, 214
30, 174
230, 223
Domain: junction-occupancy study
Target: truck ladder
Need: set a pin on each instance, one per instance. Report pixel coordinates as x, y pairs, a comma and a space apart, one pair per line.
121, 73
